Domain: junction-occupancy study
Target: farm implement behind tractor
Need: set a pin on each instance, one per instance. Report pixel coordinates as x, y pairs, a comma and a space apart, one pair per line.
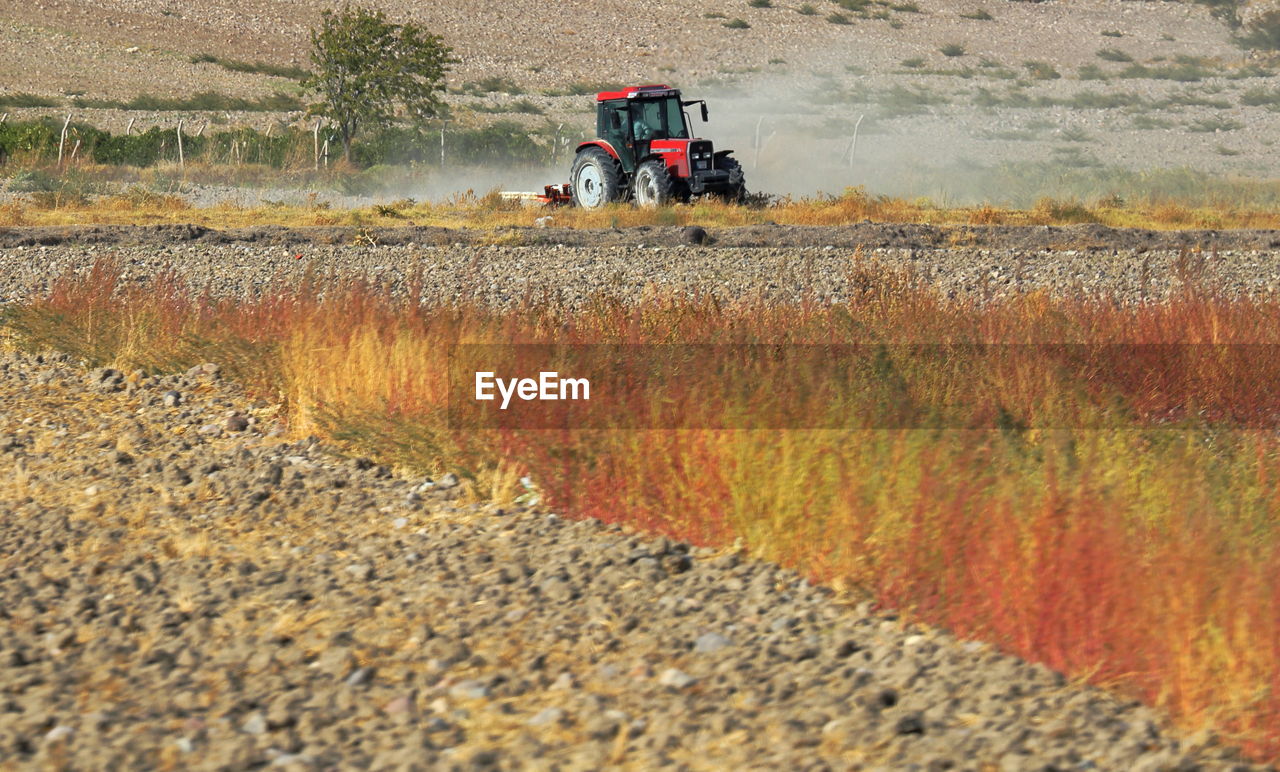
645, 151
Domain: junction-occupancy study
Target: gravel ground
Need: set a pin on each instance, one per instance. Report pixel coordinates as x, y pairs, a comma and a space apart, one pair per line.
571, 266
183, 589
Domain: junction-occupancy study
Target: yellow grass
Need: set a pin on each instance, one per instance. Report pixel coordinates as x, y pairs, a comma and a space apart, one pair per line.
490, 212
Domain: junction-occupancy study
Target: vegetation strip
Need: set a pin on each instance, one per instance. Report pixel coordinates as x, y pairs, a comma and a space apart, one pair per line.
1140, 558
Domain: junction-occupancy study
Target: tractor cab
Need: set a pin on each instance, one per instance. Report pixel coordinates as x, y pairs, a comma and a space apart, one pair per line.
631, 123
646, 149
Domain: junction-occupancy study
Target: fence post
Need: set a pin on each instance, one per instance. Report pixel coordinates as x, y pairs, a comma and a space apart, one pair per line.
325, 152
74, 149
442, 127
4, 117
129, 129
62, 139
853, 144
182, 160
315, 140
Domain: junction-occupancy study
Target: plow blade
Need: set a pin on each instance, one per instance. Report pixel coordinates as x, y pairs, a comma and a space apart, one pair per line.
551, 195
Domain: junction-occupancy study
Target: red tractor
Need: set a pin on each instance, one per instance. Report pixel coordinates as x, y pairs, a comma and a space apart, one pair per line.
646, 151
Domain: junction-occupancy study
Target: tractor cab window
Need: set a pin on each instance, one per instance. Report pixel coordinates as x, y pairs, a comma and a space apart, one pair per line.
657, 119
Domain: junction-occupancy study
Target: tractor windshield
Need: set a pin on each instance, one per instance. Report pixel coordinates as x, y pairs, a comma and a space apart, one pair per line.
658, 119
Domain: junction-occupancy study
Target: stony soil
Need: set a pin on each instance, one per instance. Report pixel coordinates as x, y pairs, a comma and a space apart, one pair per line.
569, 266
182, 588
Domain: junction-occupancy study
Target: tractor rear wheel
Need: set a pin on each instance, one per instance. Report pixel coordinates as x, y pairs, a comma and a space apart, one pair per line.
595, 179
737, 191
653, 185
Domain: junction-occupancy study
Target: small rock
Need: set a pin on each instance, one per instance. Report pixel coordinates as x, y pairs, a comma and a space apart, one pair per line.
469, 689
910, 724
237, 423
694, 235
337, 662
60, 732
360, 571
546, 716
359, 676
172, 398
446, 482
709, 643
676, 679
556, 590
256, 723
398, 706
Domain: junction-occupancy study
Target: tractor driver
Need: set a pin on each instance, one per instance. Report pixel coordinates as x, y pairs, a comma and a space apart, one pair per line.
640, 130
648, 116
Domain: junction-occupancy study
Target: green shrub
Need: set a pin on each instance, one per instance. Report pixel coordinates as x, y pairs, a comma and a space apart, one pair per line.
1261, 97
505, 142
1091, 72
838, 18
1214, 124
1182, 73
914, 63
736, 24
1075, 134
256, 68
760, 3
1147, 122
1113, 55
1112, 33
1042, 70
980, 14
33, 181
39, 137
19, 99
952, 49
209, 101
807, 10
905, 8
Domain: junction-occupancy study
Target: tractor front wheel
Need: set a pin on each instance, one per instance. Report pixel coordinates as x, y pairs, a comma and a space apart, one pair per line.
653, 185
737, 191
594, 180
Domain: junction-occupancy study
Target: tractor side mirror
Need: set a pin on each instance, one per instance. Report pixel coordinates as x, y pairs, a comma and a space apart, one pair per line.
615, 121
704, 112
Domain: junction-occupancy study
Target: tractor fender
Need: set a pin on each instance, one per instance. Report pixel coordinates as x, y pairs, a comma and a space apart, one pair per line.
722, 153
602, 144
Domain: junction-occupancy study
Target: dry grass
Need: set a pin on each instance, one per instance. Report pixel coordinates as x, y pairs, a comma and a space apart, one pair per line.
140, 207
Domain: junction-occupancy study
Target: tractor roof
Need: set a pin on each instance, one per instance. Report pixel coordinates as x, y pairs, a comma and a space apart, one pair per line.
633, 92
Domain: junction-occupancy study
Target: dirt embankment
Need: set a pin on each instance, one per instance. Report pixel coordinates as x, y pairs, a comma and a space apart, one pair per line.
183, 589
1094, 238
569, 267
